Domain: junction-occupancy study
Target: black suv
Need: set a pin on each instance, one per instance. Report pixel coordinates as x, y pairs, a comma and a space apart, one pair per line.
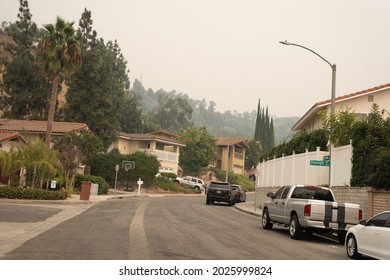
220, 192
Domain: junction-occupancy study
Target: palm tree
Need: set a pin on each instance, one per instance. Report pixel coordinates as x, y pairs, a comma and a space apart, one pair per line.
39, 161
60, 55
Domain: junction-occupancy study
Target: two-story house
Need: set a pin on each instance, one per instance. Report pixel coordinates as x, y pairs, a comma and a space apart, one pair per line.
230, 154
162, 144
359, 103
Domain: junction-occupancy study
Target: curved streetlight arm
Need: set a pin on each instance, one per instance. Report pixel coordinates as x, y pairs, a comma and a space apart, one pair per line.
333, 98
292, 44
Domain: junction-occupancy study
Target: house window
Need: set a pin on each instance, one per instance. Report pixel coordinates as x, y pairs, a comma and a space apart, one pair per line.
370, 98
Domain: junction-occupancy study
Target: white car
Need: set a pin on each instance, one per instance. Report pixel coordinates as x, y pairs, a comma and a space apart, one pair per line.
370, 238
191, 182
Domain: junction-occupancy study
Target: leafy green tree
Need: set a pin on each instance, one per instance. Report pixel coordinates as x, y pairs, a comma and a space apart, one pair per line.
338, 126
22, 77
172, 114
89, 144
59, 55
146, 168
252, 154
10, 165
299, 143
199, 150
97, 91
381, 177
5, 163
70, 156
371, 144
131, 116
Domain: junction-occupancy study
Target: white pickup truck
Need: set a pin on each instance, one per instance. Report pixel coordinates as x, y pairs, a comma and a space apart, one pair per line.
309, 209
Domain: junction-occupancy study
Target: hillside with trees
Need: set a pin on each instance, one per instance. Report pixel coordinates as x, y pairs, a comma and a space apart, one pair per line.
204, 114
88, 82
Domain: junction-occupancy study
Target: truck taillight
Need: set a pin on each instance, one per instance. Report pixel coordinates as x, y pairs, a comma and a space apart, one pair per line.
360, 214
307, 210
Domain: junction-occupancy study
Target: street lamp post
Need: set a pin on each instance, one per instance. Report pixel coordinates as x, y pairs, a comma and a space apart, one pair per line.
332, 99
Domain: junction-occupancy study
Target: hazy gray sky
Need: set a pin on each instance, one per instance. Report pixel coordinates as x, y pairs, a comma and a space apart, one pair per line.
227, 51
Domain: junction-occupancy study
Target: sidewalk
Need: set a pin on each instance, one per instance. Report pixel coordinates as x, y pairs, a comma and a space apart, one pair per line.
14, 234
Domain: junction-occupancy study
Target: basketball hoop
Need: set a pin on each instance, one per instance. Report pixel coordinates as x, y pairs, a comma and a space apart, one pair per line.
128, 165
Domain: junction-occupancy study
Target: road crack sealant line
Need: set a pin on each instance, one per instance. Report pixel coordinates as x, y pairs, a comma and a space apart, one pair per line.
138, 243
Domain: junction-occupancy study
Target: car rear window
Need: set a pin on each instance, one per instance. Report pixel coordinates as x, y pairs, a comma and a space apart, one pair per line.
312, 193
221, 186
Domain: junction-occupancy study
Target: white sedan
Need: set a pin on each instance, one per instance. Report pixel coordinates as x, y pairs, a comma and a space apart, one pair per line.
370, 238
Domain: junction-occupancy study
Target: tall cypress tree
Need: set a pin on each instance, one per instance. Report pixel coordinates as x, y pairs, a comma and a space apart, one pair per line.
264, 129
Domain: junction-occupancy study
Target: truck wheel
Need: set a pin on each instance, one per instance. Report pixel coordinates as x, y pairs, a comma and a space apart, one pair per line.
351, 247
207, 201
341, 236
266, 223
295, 229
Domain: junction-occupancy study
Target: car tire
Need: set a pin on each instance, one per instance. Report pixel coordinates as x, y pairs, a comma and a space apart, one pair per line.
295, 229
266, 222
352, 247
208, 201
197, 188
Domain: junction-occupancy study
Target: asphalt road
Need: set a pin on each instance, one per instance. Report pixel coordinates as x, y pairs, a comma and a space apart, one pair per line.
169, 228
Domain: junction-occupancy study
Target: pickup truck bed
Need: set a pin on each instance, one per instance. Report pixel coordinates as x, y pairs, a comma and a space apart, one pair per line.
309, 209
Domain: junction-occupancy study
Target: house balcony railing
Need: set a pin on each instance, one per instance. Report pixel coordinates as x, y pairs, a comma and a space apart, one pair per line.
162, 155
238, 155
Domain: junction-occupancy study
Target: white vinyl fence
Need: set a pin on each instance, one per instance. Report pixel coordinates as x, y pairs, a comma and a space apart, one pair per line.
308, 168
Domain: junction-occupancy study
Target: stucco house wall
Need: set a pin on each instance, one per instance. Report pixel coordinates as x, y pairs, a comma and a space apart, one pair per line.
359, 102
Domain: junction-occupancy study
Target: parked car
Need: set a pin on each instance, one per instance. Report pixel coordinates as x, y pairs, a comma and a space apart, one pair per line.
220, 192
239, 193
309, 209
191, 182
370, 237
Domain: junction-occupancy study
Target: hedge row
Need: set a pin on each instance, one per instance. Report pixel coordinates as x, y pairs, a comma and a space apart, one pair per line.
31, 193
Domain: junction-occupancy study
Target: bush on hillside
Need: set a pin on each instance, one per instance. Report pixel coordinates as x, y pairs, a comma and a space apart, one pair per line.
233, 178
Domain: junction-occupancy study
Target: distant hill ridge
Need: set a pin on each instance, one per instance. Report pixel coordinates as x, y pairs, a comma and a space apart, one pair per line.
226, 124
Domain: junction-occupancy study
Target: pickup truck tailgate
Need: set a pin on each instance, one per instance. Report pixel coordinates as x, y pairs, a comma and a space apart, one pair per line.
340, 213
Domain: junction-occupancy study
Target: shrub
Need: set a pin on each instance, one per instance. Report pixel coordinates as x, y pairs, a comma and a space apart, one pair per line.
146, 168
31, 193
168, 175
167, 185
103, 185
238, 179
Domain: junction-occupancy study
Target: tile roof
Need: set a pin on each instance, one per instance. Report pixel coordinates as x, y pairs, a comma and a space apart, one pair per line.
39, 126
224, 141
355, 94
164, 133
4, 136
